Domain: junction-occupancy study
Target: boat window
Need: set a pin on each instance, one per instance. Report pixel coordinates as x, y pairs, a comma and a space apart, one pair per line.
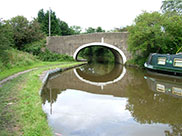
177, 91
160, 88
161, 60
177, 62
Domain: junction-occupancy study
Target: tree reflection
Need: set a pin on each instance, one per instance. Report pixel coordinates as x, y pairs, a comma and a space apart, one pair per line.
150, 107
49, 94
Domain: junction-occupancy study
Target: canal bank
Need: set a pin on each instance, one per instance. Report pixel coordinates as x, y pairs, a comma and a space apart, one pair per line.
21, 110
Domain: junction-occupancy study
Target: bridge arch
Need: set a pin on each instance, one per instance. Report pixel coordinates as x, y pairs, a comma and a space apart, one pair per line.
120, 57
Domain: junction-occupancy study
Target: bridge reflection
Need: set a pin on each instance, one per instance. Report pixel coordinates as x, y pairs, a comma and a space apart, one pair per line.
98, 79
88, 74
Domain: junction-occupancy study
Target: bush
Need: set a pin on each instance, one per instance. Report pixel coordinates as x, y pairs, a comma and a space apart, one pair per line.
35, 47
17, 58
24, 31
49, 56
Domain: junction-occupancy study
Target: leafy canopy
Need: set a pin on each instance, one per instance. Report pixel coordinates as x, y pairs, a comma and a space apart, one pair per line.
24, 31
174, 6
94, 30
154, 33
58, 27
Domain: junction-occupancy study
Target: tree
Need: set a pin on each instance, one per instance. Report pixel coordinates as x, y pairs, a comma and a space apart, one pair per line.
154, 33
76, 29
6, 40
19, 26
34, 32
58, 27
6, 35
43, 19
90, 30
94, 30
173, 33
99, 29
121, 29
24, 31
65, 30
145, 36
174, 6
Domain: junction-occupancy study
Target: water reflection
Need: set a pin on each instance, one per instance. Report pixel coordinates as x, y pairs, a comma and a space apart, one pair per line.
129, 107
171, 86
100, 75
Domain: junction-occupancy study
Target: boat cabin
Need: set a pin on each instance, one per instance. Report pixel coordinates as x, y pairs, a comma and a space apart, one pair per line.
165, 62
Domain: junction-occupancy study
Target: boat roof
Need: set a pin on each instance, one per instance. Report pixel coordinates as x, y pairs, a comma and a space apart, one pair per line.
157, 54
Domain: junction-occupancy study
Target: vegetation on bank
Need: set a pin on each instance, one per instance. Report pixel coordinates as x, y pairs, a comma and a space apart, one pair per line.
22, 47
16, 61
21, 112
156, 32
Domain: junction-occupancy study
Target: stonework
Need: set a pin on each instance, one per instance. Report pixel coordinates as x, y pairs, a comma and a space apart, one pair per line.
69, 44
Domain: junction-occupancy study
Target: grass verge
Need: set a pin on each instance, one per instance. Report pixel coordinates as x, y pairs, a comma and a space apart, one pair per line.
20, 103
17, 69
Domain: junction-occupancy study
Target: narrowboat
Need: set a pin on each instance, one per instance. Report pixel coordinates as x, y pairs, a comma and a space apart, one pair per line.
165, 62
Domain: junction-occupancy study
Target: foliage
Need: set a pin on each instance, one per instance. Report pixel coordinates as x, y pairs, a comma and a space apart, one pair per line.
173, 33
6, 40
38, 48
121, 29
99, 29
154, 33
43, 19
17, 58
76, 29
24, 31
174, 6
50, 56
65, 30
90, 30
97, 54
35, 48
6, 35
58, 27
94, 30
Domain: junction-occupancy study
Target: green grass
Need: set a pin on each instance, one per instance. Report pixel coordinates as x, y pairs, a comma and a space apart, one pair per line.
8, 100
7, 72
20, 103
15, 61
16, 58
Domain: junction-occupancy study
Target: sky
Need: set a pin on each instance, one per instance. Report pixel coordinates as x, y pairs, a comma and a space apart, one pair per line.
108, 14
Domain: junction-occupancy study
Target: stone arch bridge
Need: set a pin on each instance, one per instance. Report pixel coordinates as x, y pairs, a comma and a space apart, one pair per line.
72, 45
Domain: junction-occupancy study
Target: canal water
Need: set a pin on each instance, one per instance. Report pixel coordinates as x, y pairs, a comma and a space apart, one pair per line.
111, 100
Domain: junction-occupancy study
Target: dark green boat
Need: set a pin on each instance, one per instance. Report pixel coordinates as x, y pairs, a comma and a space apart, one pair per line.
165, 62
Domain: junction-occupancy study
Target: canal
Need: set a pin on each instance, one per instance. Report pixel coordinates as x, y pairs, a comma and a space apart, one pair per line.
111, 100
